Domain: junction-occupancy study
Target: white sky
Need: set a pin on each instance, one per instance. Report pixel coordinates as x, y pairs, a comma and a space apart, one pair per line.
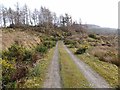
99, 12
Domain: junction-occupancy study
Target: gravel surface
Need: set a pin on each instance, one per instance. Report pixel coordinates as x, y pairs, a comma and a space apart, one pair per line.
95, 80
53, 77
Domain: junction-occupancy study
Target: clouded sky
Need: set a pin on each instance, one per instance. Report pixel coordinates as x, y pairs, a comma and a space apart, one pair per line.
99, 12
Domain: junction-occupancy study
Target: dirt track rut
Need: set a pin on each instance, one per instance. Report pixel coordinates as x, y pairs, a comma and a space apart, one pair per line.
95, 80
53, 77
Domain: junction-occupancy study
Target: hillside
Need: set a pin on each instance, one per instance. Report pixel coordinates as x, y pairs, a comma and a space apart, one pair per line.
31, 57
100, 30
24, 38
43, 49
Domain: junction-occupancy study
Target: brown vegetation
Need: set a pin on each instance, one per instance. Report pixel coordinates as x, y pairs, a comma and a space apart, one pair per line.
23, 38
105, 53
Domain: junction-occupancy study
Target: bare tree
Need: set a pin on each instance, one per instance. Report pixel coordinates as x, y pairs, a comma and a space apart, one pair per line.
17, 14
0, 15
24, 16
35, 16
66, 20
25, 10
4, 15
10, 16
30, 17
46, 16
55, 19
80, 24
62, 20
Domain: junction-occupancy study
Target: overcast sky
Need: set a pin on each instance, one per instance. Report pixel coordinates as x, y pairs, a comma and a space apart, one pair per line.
99, 12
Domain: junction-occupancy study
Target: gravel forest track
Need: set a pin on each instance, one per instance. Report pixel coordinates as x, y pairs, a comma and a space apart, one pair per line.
53, 77
95, 80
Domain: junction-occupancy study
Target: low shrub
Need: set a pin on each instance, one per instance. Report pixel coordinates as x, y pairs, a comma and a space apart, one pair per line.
52, 38
41, 49
49, 44
20, 72
7, 70
35, 57
27, 55
81, 50
92, 36
16, 59
67, 42
17, 53
76, 45
71, 43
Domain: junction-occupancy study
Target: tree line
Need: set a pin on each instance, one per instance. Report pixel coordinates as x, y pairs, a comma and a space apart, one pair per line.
23, 16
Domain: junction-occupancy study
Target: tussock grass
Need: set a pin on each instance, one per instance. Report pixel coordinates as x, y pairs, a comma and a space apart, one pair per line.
71, 75
107, 54
10, 36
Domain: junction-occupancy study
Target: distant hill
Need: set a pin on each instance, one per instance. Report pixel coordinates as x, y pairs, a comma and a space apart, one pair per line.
92, 26
100, 30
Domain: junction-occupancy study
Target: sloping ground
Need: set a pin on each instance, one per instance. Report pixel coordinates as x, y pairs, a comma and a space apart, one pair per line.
26, 60
22, 37
37, 74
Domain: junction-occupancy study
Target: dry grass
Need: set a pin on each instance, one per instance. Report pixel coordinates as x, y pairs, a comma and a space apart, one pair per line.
22, 37
106, 70
105, 53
